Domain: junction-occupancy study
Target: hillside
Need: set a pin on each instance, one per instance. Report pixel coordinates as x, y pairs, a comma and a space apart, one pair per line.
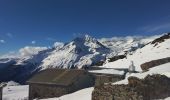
151, 51
156, 49
81, 52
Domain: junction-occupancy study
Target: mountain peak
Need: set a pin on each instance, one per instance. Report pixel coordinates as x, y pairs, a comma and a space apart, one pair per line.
88, 37
84, 38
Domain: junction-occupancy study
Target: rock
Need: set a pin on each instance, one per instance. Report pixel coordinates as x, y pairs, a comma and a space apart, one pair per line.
151, 87
153, 63
116, 58
161, 39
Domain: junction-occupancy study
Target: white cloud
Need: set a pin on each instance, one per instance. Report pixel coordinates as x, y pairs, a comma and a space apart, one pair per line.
29, 50
58, 44
2, 41
33, 42
160, 27
11, 54
156, 28
9, 35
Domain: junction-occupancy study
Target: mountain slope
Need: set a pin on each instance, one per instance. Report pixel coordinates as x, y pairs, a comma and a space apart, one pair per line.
78, 53
81, 52
122, 45
151, 51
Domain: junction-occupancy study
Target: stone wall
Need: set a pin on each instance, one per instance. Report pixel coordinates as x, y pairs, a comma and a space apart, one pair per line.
101, 79
84, 81
153, 63
149, 88
46, 91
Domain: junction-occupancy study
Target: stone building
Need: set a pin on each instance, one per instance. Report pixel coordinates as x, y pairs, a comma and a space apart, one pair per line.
57, 82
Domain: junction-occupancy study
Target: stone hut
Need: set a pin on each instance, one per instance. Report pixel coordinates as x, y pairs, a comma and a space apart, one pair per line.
57, 82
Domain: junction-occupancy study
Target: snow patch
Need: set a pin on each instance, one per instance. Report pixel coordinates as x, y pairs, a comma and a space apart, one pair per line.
84, 94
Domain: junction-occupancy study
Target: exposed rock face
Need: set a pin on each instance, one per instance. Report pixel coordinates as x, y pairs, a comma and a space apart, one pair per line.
161, 39
153, 63
100, 63
116, 58
151, 87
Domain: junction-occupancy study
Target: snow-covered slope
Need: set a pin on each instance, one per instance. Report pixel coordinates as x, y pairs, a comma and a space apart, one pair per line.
122, 45
85, 51
142, 55
80, 52
21, 93
163, 69
15, 92
84, 94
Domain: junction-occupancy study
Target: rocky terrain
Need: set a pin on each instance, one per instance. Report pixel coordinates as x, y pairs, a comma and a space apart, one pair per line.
150, 88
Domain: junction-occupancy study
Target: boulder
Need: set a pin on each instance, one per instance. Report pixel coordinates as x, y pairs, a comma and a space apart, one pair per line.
150, 88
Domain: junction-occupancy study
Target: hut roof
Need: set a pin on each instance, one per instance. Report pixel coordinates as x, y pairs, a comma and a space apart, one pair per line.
63, 77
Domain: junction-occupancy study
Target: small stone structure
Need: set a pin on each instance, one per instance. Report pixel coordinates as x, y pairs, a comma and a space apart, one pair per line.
131, 68
153, 63
57, 82
150, 88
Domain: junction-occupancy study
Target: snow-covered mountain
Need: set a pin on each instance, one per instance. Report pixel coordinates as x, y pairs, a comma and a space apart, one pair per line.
151, 49
156, 49
122, 45
79, 53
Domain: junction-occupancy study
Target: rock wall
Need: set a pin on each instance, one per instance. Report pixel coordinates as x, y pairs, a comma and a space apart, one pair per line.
116, 58
101, 79
153, 63
161, 39
41, 91
149, 88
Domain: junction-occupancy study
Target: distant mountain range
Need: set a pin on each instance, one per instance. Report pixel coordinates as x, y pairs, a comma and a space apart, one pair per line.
79, 53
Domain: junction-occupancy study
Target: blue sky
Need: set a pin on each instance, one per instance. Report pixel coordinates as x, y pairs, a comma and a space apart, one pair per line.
42, 22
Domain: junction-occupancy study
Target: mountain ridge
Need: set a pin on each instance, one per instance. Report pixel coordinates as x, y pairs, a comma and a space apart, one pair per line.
79, 53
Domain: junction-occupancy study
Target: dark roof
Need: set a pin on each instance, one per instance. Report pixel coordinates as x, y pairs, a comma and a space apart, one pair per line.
63, 77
